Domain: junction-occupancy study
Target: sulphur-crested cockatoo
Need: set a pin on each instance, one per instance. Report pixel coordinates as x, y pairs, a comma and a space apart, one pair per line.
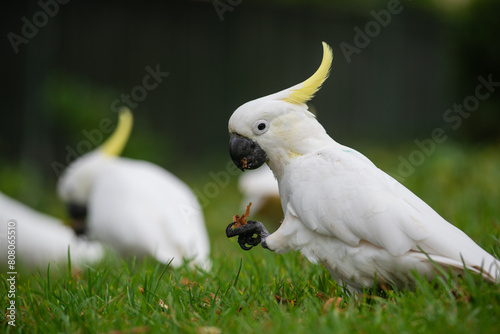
39, 239
135, 207
340, 209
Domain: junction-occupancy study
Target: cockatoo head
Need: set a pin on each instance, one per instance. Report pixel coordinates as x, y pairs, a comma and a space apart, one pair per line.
278, 127
75, 185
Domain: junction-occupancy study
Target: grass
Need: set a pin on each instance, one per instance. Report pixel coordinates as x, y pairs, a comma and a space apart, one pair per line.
258, 291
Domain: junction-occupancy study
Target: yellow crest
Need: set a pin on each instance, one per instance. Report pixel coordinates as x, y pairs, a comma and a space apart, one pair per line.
313, 84
116, 142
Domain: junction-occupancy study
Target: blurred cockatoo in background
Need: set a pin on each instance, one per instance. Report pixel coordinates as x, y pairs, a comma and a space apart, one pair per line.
135, 207
340, 209
260, 188
40, 239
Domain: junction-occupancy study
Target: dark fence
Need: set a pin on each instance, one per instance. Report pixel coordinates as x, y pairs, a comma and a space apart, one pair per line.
390, 80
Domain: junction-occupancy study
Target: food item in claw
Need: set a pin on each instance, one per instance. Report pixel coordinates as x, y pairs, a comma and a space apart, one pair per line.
244, 164
239, 221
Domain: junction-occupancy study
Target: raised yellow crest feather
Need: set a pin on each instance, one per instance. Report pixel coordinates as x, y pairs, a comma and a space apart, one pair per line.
116, 142
313, 84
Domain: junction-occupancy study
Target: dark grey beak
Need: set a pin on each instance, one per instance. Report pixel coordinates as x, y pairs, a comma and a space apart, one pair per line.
246, 153
78, 214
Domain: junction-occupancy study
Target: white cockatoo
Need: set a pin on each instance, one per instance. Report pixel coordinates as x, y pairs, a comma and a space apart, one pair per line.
340, 209
39, 239
135, 207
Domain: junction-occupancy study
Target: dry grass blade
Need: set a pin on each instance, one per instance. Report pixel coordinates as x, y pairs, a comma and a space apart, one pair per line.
243, 219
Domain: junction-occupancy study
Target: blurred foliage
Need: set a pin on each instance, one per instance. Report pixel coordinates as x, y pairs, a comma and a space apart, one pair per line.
78, 105
28, 185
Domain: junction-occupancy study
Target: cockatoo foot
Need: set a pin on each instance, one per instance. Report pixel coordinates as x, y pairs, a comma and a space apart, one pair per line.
252, 234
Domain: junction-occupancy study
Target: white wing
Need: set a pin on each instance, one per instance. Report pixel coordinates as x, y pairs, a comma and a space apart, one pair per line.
40, 238
339, 193
141, 209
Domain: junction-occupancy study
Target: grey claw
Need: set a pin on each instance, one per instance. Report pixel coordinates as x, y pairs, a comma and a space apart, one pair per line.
250, 234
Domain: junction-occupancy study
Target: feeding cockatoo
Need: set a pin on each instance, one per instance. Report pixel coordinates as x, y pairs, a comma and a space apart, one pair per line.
40, 239
340, 209
135, 207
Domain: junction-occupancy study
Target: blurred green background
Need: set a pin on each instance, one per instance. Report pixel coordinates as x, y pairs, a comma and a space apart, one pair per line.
61, 83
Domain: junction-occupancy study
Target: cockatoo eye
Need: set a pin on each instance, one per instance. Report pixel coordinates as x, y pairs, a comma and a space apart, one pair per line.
260, 127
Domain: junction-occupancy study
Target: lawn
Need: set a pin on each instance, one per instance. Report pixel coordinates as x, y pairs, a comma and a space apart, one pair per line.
261, 292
